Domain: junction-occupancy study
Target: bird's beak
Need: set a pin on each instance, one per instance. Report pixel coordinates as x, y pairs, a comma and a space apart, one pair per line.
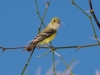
59, 22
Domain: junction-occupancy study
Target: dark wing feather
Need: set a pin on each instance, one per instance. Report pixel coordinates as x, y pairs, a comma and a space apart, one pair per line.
43, 35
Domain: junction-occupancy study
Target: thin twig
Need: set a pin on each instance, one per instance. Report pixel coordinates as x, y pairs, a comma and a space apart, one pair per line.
42, 19
27, 61
92, 12
53, 60
68, 67
47, 5
38, 12
55, 48
95, 35
44, 54
79, 8
90, 45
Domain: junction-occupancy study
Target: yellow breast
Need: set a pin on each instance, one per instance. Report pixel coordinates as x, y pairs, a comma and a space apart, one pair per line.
47, 40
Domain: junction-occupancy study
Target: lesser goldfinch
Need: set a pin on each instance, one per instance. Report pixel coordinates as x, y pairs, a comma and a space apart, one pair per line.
46, 35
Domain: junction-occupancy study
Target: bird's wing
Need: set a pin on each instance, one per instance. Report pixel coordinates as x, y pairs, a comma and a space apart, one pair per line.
44, 34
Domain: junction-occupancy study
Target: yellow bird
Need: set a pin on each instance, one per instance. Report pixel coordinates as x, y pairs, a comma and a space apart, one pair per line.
46, 35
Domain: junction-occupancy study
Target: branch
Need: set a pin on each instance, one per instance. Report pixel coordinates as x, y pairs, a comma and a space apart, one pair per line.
42, 19
55, 48
38, 12
27, 62
93, 14
95, 35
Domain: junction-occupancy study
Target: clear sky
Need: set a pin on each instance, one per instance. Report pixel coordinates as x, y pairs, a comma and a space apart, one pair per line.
19, 24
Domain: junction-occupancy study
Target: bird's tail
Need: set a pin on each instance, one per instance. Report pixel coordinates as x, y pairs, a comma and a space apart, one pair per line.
30, 47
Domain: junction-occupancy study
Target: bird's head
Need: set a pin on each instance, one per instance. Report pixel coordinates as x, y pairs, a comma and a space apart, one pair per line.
55, 22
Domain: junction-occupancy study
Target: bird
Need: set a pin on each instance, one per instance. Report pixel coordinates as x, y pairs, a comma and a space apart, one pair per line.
46, 35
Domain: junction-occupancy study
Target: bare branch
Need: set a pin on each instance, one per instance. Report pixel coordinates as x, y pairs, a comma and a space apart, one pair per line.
93, 14
54, 48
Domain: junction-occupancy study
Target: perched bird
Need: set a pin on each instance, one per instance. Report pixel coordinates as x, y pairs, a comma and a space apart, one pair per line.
46, 35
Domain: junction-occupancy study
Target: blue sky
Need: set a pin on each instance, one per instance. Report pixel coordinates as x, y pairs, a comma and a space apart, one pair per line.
19, 24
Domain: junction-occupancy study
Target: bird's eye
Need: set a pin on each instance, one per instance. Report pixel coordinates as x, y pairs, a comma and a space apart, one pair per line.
54, 20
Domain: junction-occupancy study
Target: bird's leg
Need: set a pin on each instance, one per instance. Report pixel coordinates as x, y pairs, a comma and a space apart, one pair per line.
47, 45
38, 47
52, 49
